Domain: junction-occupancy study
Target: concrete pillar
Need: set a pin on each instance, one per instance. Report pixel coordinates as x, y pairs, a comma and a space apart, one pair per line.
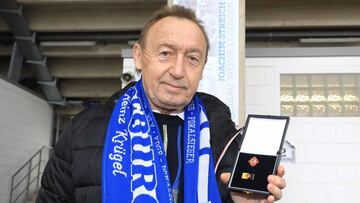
16, 64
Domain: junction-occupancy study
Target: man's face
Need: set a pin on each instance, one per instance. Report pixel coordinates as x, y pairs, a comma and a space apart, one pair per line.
172, 61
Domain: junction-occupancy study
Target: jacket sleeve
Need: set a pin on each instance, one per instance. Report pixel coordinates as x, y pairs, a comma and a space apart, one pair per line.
222, 129
56, 183
226, 131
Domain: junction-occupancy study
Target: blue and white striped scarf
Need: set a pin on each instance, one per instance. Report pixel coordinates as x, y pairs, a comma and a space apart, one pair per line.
134, 167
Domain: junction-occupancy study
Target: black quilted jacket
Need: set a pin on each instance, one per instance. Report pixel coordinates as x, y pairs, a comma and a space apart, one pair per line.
73, 173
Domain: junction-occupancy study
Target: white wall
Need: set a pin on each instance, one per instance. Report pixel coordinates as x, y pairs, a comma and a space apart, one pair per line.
25, 126
327, 149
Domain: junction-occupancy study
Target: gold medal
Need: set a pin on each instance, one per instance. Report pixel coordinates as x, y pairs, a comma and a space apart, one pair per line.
253, 161
248, 176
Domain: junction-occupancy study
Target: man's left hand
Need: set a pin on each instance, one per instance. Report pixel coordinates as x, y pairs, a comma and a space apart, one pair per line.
276, 184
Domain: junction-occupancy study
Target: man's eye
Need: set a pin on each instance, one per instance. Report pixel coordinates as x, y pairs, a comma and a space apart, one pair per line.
164, 55
194, 60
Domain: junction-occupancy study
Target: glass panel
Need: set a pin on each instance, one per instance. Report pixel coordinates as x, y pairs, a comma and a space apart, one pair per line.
332, 80
350, 95
351, 110
286, 80
349, 80
319, 110
303, 110
317, 80
287, 110
301, 80
286, 96
318, 95
334, 95
334, 109
302, 96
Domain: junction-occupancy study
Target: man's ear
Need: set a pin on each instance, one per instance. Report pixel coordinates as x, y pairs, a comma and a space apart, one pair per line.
137, 56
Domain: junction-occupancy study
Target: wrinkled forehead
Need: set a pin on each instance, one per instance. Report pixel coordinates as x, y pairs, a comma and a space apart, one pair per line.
176, 30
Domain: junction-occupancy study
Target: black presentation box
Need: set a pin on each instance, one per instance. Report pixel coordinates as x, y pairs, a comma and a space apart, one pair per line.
259, 154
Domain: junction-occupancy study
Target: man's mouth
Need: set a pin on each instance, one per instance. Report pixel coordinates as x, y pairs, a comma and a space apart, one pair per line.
174, 86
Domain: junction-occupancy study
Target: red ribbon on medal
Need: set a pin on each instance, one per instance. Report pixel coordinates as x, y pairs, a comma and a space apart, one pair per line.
253, 161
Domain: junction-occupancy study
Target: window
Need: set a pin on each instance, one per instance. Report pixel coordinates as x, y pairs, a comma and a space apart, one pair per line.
320, 95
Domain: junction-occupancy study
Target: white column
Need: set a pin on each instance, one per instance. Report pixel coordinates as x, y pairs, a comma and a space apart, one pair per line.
242, 62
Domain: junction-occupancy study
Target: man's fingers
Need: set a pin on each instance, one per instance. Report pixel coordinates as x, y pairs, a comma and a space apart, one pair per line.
280, 171
270, 199
275, 191
277, 181
276, 184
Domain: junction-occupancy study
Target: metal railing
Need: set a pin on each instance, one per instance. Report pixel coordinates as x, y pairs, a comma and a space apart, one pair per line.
23, 180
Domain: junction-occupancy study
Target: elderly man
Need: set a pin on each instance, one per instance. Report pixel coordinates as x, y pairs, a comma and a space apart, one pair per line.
155, 140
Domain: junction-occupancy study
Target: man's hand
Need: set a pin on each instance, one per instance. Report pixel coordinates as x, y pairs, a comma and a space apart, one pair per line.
276, 184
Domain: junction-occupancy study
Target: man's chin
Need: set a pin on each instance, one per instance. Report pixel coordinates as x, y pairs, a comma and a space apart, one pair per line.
172, 106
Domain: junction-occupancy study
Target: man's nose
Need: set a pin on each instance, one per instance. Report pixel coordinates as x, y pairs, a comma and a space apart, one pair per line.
178, 69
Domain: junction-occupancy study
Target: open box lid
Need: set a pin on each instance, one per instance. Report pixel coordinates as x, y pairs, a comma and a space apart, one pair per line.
264, 134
